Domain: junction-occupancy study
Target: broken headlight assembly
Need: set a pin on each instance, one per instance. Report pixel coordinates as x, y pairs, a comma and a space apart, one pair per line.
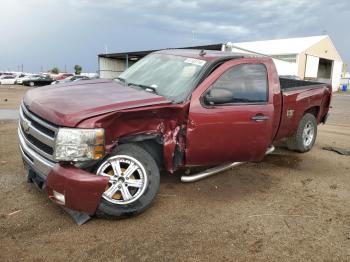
77, 144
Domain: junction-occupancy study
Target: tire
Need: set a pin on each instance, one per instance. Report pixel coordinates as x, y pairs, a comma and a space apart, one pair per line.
305, 137
114, 205
31, 84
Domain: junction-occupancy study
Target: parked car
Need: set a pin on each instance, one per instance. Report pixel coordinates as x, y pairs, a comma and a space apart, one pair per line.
99, 148
62, 76
26, 77
19, 79
68, 79
7, 79
37, 81
6, 73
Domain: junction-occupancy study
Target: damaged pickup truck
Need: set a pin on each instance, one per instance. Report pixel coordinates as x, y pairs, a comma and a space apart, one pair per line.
96, 147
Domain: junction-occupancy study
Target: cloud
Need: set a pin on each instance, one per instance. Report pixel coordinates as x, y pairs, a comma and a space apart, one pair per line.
64, 32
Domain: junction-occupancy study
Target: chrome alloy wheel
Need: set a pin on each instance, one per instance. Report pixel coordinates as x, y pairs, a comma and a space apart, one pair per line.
308, 134
127, 179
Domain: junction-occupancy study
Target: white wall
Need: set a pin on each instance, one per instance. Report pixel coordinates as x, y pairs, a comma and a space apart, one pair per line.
336, 74
282, 67
286, 68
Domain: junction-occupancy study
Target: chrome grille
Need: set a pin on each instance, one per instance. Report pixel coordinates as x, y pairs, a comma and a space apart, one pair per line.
39, 135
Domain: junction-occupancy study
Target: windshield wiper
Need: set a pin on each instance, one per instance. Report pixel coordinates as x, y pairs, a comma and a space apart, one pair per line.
145, 87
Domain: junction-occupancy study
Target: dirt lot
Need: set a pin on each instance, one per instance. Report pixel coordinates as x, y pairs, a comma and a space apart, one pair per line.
291, 207
11, 96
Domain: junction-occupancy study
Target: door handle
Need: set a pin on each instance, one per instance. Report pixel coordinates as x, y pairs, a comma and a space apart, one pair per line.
260, 118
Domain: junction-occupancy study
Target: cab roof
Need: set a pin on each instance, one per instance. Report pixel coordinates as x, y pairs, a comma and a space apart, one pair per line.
207, 55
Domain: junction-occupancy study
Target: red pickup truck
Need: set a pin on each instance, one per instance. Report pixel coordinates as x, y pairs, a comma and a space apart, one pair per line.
97, 146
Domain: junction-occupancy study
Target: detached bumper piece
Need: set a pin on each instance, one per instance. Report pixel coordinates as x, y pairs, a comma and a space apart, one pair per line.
75, 189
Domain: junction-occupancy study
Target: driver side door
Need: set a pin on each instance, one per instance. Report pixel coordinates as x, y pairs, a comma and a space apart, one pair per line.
236, 129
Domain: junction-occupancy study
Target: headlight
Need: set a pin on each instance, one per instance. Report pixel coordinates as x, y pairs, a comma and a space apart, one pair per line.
76, 144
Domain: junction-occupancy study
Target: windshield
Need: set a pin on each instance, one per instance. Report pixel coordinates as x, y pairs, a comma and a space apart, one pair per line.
166, 75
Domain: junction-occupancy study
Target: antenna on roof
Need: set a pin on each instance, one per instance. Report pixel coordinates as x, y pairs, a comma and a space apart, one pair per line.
202, 52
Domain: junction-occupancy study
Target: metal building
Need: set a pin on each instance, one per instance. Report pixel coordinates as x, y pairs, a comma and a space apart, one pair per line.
111, 65
310, 58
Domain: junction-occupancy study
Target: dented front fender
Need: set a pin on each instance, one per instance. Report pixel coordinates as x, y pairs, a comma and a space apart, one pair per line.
163, 121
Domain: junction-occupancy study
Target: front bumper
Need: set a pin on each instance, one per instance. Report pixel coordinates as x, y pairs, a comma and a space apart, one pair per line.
81, 190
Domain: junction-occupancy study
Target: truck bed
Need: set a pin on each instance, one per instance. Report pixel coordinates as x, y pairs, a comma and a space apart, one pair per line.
293, 84
298, 97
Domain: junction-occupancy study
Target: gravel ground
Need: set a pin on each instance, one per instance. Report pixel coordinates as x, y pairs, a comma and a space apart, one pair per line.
11, 96
290, 207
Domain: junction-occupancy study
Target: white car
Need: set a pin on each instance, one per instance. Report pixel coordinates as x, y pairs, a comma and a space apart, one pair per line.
19, 78
26, 77
7, 80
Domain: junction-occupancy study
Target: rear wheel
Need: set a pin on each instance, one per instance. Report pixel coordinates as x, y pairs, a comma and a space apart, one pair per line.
133, 182
304, 139
31, 83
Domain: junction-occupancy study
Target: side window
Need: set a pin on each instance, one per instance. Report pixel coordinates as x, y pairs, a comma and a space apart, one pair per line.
246, 82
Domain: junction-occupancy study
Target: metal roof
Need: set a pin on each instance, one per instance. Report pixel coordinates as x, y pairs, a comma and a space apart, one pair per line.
282, 46
267, 48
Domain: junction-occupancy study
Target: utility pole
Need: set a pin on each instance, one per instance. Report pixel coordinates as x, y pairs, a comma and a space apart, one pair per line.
65, 68
22, 68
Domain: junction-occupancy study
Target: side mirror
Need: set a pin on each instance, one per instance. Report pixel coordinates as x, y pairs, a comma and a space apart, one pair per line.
218, 96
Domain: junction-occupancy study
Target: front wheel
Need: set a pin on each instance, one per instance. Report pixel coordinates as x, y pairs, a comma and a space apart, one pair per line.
133, 182
304, 139
31, 83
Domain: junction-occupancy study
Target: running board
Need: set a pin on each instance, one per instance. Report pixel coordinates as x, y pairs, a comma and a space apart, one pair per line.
217, 169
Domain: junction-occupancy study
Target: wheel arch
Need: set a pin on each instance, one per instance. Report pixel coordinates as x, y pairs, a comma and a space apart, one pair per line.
152, 143
314, 110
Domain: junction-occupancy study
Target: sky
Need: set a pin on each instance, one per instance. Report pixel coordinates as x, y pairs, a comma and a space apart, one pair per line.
41, 34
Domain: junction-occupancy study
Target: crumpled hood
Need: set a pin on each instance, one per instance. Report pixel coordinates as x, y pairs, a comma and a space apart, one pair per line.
68, 104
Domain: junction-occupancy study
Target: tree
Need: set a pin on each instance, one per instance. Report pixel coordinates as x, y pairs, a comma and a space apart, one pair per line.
55, 70
78, 69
